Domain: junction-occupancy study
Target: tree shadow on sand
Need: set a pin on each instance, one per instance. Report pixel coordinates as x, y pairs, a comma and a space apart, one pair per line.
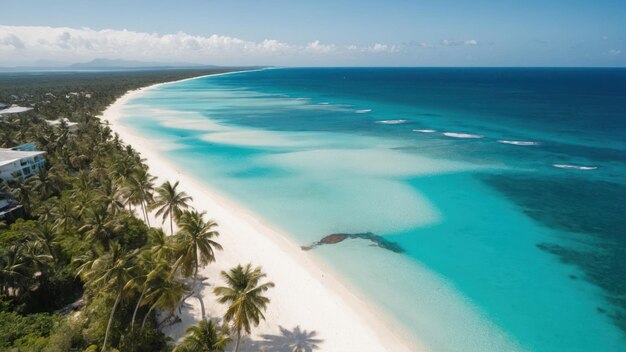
295, 340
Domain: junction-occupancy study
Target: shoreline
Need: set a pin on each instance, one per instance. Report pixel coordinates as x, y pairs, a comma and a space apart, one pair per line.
307, 292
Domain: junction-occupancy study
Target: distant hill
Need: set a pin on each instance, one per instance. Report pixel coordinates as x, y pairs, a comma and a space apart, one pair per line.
120, 63
102, 64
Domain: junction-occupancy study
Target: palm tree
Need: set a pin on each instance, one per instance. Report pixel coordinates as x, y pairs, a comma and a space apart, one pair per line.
123, 168
145, 181
165, 295
108, 272
195, 245
44, 184
99, 226
79, 161
161, 245
43, 209
144, 263
14, 270
111, 196
44, 237
100, 169
139, 190
63, 214
82, 193
244, 294
170, 202
38, 260
149, 272
204, 337
83, 183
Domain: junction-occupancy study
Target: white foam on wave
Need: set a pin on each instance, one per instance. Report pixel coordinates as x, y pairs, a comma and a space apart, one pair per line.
392, 122
575, 167
425, 131
462, 135
518, 142
363, 111
324, 103
303, 98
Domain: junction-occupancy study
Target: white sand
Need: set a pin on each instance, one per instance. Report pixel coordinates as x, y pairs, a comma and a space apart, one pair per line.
307, 294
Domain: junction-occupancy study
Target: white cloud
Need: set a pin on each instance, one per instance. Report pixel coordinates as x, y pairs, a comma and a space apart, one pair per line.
320, 48
85, 42
615, 51
416, 44
21, 45
11, 41
383, 48
273, 45
376, 48
449, 42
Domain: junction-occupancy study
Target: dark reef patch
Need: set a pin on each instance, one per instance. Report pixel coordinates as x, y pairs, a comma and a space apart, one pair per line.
339, 237
592, 212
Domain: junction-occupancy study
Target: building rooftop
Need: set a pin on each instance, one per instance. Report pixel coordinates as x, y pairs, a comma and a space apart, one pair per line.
26, 147
58, 122
14, 109
8, 156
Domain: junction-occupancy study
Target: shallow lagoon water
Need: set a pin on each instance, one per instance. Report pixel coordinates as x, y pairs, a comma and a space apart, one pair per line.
487, 265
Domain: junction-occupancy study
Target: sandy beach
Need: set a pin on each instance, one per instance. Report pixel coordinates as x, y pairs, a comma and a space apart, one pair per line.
310, 304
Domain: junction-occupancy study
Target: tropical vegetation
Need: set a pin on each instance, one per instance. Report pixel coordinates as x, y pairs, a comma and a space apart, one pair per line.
206, 336
81, 267
244, 294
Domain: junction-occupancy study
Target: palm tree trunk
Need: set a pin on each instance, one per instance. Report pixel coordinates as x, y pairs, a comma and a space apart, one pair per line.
106, 334
193, 284
143, 323
145, 209
195, 278
238, 340
132, 321
143, 212
171, 223
201, 306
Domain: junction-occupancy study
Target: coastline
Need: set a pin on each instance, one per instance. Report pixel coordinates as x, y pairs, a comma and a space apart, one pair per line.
307, 295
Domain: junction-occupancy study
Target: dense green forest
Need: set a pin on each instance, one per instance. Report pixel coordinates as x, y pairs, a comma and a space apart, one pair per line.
80, 268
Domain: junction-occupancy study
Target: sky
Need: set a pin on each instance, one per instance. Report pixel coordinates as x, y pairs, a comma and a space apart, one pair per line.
316, 33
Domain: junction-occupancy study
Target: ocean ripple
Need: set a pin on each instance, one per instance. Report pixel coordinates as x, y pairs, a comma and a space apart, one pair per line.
363, 111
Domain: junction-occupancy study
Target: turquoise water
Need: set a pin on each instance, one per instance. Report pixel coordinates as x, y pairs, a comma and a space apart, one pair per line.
504, 188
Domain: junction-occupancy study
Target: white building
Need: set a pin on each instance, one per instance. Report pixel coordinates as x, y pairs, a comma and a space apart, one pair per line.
71, 126
22, 161
13, 109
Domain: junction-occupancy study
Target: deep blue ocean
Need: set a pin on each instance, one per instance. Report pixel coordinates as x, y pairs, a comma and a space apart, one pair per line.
504, 188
